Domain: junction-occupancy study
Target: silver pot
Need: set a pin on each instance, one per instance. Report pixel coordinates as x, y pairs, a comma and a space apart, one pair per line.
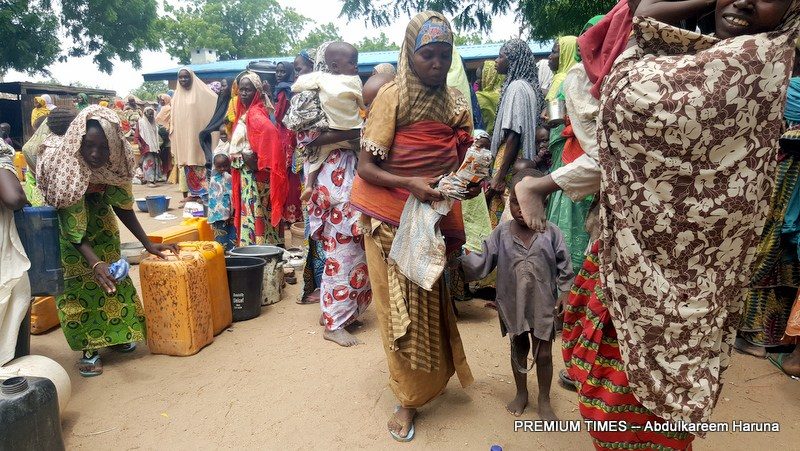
556, 111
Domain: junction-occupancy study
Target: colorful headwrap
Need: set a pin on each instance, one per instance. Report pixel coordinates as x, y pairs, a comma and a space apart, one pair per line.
306, 55
478, 134
434, 30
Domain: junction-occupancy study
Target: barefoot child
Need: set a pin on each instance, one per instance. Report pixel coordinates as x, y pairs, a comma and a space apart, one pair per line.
340, 96
219, 200
532, 270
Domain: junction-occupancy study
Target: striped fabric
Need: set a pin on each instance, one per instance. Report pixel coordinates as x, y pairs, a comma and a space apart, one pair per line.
413, 312
592, 357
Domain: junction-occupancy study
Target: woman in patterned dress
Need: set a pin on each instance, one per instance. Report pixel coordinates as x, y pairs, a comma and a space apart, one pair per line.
259, 167
88, 179
653, 313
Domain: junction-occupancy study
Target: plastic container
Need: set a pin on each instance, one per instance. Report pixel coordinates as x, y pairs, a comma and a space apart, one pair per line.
177, 306
141, 204
44, 315
245, 277
175, 234
29, 415
204, 231
298, 230
221, 313
272, 287
38, 231
40, 366
156, 205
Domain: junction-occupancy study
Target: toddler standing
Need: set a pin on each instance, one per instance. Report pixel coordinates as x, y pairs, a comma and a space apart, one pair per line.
534, 275
220, 188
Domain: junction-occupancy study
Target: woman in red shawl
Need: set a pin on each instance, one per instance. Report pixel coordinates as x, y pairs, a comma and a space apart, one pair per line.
284, 75
259, 167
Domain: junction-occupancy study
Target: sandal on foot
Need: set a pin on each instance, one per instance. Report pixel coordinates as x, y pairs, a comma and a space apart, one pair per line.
409, 436
90, 367
124, 348
777, 360
566, 382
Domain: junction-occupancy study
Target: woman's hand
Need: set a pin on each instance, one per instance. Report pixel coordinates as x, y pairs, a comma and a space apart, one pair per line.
497, 186
561, 304
473, 189
103, 278
421, 188
158, 249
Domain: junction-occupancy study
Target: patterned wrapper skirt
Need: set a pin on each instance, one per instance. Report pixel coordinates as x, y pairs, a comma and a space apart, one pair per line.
593, 359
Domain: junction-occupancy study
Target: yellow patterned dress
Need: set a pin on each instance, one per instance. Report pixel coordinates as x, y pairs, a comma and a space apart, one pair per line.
89, 317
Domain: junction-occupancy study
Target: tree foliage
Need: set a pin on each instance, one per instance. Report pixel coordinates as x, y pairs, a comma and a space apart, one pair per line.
469, 39
377, 44
320, 34
150, 90
538, 19
106, 30
235, 28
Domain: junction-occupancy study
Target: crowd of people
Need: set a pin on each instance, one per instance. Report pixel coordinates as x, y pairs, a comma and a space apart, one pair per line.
654, 227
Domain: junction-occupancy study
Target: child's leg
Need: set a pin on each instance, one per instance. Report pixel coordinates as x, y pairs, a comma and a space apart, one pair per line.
520, 346
311, 181
544, 376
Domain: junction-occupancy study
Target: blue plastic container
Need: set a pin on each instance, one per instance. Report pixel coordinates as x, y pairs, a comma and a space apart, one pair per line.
156, 205
38, 231
142, 205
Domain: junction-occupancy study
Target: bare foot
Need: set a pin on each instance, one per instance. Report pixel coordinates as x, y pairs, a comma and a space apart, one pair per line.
306, 195
791, 363
341, 337
517, 406
531, 202
745, 347
545, 409
400, 422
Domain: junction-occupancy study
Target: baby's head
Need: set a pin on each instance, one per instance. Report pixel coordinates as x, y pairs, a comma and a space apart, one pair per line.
513, 204
223, 133
342, 58
482, 139
523, 164
738, 18
373, 85
222, 163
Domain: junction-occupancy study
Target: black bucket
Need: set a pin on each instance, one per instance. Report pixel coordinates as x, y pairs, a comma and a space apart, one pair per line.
245, 280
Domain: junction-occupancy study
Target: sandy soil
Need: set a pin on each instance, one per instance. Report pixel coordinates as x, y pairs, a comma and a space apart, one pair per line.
273, 382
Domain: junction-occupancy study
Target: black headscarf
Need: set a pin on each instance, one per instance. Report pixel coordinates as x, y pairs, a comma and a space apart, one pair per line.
286, 85
220, 111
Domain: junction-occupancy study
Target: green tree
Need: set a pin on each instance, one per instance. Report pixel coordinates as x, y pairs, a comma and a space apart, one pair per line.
150, 90
377, 44
106, 30
234, 28
317, 36
539, 19
469, 39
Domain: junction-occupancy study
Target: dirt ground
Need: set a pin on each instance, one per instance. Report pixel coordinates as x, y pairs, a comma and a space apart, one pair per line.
273, 382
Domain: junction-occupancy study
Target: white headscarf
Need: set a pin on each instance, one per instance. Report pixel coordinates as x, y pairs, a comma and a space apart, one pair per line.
148, 131
48, 102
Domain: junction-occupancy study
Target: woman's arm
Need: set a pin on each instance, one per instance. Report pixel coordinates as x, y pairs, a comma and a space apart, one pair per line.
498, 183
420, 187
673, 12
11, 194
128, 217
99, 268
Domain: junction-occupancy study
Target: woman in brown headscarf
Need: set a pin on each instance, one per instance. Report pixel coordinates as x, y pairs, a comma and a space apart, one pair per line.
417, 130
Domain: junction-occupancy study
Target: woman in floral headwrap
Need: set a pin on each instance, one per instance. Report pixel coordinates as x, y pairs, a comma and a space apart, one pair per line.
88, 179
417, 130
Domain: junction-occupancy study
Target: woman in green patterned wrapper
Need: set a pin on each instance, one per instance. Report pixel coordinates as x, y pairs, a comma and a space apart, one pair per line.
88, 179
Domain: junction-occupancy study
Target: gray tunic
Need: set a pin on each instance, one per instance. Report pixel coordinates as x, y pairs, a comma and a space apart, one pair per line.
528, 279
518, 112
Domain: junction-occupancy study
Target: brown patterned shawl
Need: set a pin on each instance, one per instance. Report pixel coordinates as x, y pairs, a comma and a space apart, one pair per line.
688, 155
63, 176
